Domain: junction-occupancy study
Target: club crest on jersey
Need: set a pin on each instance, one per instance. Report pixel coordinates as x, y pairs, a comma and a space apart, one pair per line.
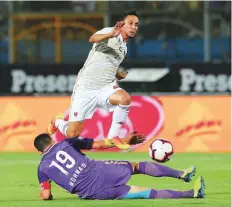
75, 113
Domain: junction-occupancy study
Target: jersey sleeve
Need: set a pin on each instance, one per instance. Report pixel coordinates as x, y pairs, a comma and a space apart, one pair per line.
42, 177
83, 143
104, 30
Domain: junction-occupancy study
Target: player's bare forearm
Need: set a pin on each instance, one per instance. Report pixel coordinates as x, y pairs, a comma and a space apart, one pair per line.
133, 139
96, 38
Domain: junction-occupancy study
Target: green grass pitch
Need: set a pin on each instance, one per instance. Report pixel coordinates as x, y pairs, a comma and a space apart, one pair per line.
19, 186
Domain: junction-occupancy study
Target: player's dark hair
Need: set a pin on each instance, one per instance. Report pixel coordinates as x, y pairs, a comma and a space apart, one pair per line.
125, 14
42, 141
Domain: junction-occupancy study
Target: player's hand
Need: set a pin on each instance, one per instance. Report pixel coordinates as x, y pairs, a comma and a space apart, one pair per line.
121, 73
135, 138
117, 28
41, 197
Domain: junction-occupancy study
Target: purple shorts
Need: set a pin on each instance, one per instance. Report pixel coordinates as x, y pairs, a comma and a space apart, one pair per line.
108, 180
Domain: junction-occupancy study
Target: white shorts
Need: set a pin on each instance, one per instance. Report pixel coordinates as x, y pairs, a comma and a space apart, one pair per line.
84, 102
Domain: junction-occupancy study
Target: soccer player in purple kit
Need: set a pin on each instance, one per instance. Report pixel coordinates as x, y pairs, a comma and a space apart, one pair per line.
68, 167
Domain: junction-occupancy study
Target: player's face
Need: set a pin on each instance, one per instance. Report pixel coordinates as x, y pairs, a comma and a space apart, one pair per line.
131, 25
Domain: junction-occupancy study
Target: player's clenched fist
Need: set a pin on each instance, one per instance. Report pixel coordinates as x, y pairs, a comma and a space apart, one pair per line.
42, 198
121, 73
45, 195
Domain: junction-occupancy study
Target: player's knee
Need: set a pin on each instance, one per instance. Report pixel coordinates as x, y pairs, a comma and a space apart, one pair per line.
74, 129
126, 99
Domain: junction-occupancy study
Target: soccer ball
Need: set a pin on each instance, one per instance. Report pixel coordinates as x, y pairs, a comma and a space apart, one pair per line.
161, 150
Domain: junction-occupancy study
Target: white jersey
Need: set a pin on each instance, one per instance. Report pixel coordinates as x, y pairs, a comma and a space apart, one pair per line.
101, 65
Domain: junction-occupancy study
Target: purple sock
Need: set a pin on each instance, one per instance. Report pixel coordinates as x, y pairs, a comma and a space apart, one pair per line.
171, 194
157, 170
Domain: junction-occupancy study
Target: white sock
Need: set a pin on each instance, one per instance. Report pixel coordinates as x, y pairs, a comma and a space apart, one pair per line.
119, 116
62, 126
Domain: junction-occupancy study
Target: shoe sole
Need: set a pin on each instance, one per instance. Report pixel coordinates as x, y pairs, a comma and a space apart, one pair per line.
50, 131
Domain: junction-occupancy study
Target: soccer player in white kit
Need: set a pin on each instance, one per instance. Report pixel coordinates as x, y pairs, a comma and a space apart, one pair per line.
96, 83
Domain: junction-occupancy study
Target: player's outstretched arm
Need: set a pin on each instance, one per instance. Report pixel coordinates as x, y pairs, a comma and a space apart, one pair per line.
96, 38
133, 139
101, 144
99, 37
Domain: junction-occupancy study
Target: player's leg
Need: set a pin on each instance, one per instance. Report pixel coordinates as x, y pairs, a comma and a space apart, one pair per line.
121, 99
115, 99
113, 176
81, 108
67, 128
148, 193
157, 170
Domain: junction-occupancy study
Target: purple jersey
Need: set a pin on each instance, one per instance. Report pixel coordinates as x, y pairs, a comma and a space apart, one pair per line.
68, 167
